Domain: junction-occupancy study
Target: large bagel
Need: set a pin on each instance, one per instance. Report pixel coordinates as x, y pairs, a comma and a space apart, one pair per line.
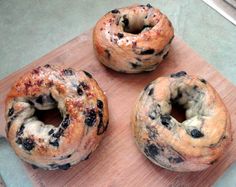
132, 39
81, 103
192, 145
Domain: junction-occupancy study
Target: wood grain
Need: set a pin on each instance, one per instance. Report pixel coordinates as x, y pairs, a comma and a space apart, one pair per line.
117, 161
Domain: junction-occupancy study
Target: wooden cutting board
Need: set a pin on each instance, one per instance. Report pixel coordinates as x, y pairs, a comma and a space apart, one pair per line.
117, 161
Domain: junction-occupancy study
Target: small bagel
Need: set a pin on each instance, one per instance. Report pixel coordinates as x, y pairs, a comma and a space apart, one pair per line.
133, 39
81, 103
192, 145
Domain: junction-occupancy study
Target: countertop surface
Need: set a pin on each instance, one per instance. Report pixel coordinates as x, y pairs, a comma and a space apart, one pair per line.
30, 29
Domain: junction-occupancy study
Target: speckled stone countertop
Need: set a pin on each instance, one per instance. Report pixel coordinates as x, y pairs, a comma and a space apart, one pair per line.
30, 29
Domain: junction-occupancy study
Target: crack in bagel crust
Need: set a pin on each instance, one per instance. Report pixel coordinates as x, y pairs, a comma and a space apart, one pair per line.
137, 32
83, 107
192, 145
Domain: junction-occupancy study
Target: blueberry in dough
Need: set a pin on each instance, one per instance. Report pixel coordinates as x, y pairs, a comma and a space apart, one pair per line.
90, 118
178, 74
11, 111
115, 11
66, 121
65, 166
28, 144
99, 104
196, 133
151, 150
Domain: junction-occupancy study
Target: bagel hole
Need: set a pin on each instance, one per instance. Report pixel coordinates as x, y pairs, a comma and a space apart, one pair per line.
136, 25
52, 116
178, 112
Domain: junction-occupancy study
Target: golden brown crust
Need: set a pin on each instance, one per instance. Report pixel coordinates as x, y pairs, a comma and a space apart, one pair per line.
192, 145
82, 104
118, 46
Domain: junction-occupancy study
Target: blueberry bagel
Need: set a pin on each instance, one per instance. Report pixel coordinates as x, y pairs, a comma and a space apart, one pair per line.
191, 145
83, 107
133, 39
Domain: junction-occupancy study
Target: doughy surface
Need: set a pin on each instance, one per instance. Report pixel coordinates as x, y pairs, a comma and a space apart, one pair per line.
83, 107
191, 145
133, 39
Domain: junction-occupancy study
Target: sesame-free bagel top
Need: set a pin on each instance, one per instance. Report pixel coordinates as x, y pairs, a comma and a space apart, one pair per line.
191, 145
133, 39
81, 103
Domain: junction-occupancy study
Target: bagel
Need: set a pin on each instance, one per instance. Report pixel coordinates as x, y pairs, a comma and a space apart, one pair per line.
83, 107
132, 39
191, 145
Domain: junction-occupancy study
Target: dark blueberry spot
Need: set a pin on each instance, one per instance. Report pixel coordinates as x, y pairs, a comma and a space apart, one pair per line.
66, 121
90, 118
87, 157
115, 11
64, 166
79, 91
99, 104
178, 74
11, 111
47, 66
68, 156
54, 143
31, 103
84, 85
28, 144
108, 54
164, 57
151, 91
203, 81
196, 133
147, 52
120, 35
20, 130
165, 120
153, 115
151, 150
39, 99
175, 160
34, 166
50, 132
68, 72
149, 6
19, 140
58, 133
88, 74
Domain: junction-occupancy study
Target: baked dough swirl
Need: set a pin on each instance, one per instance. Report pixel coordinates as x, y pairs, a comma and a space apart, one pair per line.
82, 105
191, 145
133, 39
